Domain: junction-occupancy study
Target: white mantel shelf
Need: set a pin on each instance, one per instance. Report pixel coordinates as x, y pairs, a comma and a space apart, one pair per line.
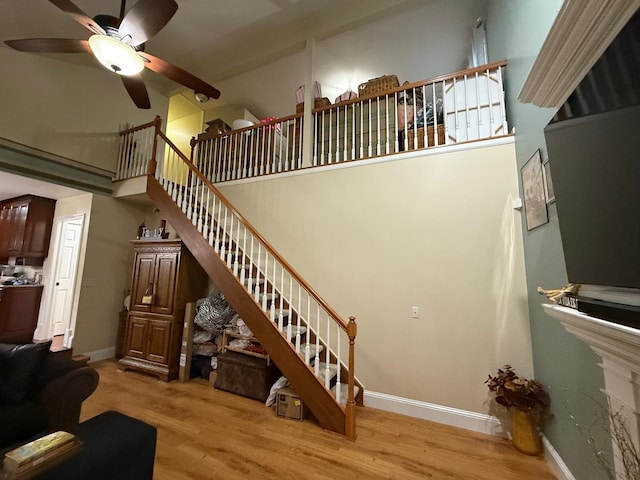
619, 348
607, 339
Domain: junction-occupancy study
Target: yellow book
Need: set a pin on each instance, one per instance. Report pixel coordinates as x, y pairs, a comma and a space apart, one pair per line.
32, 451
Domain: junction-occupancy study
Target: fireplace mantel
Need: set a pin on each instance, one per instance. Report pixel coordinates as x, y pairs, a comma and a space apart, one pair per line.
607, 339
619, 348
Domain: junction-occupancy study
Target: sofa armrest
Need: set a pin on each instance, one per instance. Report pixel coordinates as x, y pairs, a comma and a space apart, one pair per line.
62, 397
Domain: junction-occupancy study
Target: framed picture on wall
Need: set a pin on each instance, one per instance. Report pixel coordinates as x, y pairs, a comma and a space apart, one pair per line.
535, 202
548, 183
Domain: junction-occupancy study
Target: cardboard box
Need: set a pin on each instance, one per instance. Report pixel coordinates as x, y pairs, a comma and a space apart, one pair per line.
289, 404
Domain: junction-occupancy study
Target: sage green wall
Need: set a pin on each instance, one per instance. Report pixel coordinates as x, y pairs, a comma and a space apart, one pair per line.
516, 31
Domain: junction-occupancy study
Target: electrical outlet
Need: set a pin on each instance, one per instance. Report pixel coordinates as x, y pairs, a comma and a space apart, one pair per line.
415, 312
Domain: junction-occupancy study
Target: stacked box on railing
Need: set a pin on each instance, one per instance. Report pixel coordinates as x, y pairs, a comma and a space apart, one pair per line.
318, 103
289, 404
378, 85
411, 144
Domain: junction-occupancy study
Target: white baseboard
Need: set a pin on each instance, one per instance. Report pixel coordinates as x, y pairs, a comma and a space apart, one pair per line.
557, 466
103, 354
455, 417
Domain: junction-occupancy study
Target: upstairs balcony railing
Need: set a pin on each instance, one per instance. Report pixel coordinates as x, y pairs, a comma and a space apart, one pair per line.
451, 109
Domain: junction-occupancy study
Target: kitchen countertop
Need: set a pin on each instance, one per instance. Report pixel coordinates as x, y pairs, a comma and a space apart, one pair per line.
5, 278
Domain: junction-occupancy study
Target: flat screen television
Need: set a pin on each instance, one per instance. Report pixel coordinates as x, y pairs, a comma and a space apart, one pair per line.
595, 169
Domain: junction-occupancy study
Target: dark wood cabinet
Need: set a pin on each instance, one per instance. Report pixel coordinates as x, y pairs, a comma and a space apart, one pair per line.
165, 277
25, 228
19, 308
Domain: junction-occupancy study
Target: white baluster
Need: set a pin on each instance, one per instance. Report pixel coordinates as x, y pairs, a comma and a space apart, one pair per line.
235, 260
224, 236
216, 248
299, 319
272, 312
280, 314
257, 293
250, 268
327, 372
479, 109
370, 132
338, 384
466, 105
265, 289
244, 256
330, 147
230, 242
290, 317
316, 362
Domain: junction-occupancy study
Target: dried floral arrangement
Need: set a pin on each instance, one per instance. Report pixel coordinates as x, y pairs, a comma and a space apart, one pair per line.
512, 390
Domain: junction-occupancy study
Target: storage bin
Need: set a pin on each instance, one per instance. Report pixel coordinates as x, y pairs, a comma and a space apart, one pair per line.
410, 140
245, 375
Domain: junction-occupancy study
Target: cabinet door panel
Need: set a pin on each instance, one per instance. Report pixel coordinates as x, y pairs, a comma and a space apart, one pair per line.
18, 223
165, 282
19, 308
4, 231
143, 278
37, 233
136, 342
159, 336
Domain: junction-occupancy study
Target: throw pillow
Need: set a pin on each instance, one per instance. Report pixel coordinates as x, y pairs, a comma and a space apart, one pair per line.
19, 366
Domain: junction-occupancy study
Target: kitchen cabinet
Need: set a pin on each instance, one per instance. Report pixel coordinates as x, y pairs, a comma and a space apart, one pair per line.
165, 277
25, 228
19, 308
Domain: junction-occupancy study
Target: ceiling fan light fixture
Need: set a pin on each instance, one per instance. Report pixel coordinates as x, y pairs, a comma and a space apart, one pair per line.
116, 55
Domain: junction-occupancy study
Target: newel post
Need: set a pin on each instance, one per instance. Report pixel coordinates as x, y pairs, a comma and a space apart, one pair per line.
153, 162
350, 410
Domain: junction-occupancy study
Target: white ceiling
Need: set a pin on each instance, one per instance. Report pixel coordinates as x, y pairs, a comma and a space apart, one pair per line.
213, 39
15, 185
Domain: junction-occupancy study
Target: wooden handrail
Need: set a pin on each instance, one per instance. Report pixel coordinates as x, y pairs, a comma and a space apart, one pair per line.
343, 325
152, 123
209, 135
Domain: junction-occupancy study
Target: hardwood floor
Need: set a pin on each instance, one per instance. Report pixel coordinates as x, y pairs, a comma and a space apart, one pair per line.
205, 433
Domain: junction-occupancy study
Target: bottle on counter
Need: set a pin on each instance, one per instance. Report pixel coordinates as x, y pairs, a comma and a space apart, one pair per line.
141, 228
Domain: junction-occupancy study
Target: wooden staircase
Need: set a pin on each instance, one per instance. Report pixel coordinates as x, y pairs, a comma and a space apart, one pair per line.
304, 336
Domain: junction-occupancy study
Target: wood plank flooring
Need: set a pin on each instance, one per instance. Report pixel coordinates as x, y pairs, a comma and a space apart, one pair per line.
205, 433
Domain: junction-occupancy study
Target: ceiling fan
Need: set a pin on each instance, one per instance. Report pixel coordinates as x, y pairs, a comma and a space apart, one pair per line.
118, 44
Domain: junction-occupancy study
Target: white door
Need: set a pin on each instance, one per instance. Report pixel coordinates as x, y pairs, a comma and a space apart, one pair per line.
63, 277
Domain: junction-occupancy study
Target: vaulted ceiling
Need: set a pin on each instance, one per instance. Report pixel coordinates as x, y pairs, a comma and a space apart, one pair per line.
212, 39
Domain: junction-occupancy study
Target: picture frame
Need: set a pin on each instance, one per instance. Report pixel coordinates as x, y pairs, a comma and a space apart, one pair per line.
533, 189
549, 193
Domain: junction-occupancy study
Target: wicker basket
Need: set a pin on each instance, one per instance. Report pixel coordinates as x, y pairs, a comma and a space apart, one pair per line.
378, 85
318, 103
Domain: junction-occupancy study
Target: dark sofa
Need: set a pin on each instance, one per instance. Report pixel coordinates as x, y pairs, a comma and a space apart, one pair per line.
40, 392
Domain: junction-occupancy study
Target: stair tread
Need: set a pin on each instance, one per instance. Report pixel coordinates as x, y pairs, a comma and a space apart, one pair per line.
294, 331
344, 392
312, 349
322, 366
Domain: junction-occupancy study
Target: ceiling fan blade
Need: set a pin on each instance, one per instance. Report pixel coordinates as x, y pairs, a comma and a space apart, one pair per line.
50, 45
146, 18
71, 9
137, 91
178, 75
